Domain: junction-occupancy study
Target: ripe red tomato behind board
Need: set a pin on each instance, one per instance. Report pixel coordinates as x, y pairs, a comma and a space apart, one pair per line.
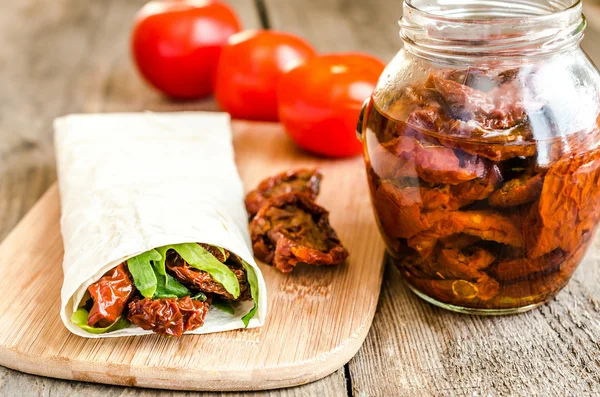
319, 101
177, 44
250, 67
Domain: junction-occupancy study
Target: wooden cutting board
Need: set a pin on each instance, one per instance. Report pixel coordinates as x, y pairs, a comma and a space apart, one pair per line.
318, 317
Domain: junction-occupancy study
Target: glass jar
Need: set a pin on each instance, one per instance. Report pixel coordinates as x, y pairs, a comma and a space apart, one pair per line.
482, 151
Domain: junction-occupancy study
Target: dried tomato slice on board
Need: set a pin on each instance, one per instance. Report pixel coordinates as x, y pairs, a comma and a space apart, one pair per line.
292, 229
295, 181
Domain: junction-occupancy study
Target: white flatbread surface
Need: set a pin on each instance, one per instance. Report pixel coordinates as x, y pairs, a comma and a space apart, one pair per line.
130, 182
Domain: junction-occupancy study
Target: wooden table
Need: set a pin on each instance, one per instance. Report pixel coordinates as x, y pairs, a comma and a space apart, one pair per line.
72, 56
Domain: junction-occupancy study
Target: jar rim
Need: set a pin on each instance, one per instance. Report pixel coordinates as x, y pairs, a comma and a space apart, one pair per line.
575, 6
491, 29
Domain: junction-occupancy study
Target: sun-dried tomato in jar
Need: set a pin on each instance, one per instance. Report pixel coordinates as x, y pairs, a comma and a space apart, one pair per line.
483, 153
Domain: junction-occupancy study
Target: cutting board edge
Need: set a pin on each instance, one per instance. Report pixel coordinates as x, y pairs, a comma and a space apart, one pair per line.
287, 376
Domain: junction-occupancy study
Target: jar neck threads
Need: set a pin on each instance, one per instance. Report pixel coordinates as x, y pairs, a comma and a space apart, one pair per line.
490, 29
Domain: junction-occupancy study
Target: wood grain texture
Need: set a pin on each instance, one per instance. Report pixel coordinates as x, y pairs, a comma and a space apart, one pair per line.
342, 25
318, 317
415, 349
72, 56
591, 9
18, 384
41, 77
591, 40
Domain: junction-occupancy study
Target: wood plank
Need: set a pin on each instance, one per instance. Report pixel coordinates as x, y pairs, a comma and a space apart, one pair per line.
591, 40
72, 57
26, 105
13, 383
415, 349
591, 9
342, 25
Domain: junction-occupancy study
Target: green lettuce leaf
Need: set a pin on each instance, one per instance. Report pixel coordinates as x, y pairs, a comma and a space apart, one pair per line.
223, 306
221, 250
142, 271
200, 296
253, 281
167, 285
201, 259
80, 319
152, 280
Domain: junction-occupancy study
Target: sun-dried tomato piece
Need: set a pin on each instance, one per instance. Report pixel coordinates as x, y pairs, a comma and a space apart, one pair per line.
456, 264
297, 181
569, 205
463, 101
110, 295
524, 267
430, 197
498, 109
457, 259
522, 190
485, 224
203, 281
388, 165
434, 119
442, 197
480, 79
477, 78
490, 124
440, 165
493, 151
414, 266
458, 241
170, 317
221, 255
508, 112
507, 76
424, 243
399, 214
539, 289
433, 163
558, 147
480, 188
292, 229
412, 99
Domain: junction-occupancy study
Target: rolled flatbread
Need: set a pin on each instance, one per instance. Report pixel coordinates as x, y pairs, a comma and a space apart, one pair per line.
133, 182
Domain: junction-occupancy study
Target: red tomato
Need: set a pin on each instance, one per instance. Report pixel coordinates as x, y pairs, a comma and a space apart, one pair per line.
176, 44
249, 69
319, 102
